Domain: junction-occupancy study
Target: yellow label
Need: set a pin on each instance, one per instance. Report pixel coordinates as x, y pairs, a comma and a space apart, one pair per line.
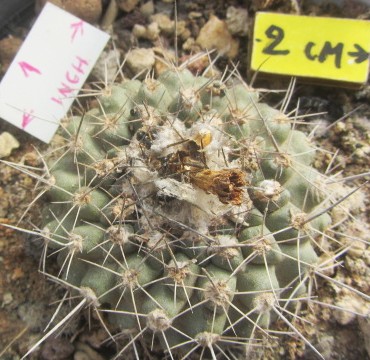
317, 47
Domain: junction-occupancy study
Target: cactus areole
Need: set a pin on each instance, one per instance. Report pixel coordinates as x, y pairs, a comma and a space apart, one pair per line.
185, 210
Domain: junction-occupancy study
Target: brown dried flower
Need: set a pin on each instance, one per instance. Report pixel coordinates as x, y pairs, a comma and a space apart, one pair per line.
226, 184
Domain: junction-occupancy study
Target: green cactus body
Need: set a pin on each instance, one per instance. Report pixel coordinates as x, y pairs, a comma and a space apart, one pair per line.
184, 206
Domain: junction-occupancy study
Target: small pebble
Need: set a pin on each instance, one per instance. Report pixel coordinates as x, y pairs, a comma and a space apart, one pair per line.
7, 298
166, 25
237, 20
150, 32
139, 31
194, 15
8, 49
147, 9
215, 35
140, 61
88, 10
7, 143
350, 304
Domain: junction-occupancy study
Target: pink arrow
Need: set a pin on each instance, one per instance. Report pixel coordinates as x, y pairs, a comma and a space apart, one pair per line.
26, 68
27, 118
77, 27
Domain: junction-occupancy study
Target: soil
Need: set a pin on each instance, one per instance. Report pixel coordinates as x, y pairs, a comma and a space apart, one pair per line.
28, 298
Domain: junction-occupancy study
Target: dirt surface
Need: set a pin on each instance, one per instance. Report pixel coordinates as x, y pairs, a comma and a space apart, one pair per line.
28, 298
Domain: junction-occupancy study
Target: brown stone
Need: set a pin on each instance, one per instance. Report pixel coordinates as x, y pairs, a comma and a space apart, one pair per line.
215, 35
88, 10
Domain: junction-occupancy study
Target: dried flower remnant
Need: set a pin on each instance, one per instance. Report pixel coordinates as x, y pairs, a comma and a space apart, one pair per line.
227, 184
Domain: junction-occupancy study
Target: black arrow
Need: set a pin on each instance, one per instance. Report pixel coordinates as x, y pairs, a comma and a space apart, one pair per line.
361, 55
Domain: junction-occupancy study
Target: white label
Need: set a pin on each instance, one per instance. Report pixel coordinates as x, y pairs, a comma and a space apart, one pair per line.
48, 71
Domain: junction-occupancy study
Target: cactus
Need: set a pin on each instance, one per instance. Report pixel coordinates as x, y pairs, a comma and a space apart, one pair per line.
185, 209
186, 212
